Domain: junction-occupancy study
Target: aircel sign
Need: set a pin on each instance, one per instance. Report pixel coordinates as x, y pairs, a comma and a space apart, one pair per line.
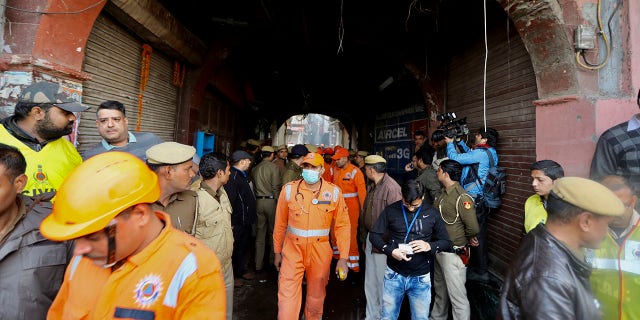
393, 137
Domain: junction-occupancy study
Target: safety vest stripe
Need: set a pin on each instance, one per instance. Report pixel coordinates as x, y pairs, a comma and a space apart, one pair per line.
353, 265
287, 191
308, 233
612, 264
188, 266
74, 265
353, 173
350, 195
336, 192
354, 258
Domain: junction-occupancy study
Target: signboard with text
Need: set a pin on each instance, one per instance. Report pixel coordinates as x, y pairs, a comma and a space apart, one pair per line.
394, 138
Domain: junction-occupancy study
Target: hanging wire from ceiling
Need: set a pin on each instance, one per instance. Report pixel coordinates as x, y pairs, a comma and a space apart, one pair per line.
581, 53
341, 28
508, 46
484, 74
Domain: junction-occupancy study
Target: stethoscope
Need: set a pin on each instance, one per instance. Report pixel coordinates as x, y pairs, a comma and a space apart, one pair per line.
313, 201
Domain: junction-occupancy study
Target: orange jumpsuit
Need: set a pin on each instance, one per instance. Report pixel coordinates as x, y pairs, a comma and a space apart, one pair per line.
352, 183
301, 235
175, 277
329, 169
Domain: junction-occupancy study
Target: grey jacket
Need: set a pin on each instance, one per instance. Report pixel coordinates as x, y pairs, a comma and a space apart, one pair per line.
31, 267
547, 281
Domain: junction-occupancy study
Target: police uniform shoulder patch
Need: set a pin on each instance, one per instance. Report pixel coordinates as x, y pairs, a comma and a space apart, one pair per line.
467, 205
148, 290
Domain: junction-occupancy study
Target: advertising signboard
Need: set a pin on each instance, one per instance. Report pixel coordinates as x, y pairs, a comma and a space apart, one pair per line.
394, 138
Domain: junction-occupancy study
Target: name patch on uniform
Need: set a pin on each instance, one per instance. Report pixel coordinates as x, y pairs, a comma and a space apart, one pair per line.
467, 205
148, 290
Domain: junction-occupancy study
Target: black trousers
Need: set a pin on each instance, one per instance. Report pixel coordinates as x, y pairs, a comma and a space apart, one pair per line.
480, 254
241, 240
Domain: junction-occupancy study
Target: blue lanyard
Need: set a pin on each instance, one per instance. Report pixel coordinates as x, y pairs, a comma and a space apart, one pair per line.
406, 223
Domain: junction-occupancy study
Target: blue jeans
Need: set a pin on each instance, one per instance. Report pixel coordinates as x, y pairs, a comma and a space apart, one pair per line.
417, 288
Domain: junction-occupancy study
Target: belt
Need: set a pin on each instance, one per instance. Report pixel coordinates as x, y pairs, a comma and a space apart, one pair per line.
265, 197
350, 195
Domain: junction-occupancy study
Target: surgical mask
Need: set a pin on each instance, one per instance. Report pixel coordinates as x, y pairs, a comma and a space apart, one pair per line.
310, 176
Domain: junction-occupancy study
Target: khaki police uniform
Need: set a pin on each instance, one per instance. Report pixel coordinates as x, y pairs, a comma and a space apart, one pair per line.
458, 212
267, 184
182, 206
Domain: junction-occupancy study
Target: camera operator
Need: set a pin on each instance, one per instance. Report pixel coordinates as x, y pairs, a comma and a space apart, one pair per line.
440, 145
476, 166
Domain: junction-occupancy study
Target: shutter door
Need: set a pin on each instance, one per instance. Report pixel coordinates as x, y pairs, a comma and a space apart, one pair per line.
511, 90
112, 59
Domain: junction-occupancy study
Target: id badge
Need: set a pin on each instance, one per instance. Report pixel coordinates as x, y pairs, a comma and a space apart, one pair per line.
406, 248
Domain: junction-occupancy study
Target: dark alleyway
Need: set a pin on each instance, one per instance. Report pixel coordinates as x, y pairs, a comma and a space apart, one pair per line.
257, 299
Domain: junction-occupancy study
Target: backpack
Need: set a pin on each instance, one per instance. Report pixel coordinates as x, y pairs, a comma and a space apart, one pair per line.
495, 184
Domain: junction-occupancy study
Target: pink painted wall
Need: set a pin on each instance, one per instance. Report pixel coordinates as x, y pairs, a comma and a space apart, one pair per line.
564, 133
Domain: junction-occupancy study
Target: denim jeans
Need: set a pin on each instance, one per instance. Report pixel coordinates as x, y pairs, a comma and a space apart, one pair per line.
417, 288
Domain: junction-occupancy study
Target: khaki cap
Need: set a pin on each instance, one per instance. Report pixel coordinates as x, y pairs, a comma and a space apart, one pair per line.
373, 159
311, 147
362, 153
255, 142
282, 147
588, 195
267, 149
170, 153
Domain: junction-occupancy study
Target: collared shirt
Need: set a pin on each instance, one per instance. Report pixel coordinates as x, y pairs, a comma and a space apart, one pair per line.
458, 212
109, 147
183, 209
632, 222
634, 123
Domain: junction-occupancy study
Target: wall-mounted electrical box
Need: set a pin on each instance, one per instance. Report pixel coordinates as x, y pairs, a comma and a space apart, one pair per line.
585, 37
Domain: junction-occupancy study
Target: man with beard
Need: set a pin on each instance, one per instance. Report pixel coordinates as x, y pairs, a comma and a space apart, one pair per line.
42, 117
112, 122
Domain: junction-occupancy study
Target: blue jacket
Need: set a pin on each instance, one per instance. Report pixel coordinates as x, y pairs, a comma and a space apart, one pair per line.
470, 157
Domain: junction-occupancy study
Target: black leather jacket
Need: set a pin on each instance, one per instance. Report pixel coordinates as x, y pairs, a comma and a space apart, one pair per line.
547, 281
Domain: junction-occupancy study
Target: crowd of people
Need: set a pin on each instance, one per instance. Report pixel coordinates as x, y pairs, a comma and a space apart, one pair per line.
140, 228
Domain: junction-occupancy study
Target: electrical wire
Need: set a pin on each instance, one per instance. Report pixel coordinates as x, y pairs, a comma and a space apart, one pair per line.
580, 53
341, 28
55, 12
484, 75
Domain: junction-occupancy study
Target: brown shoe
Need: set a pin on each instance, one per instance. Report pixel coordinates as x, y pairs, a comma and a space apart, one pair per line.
237, 282
249, 275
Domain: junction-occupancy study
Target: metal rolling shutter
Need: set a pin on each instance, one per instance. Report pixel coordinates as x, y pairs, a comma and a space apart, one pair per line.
511, 90
112, 58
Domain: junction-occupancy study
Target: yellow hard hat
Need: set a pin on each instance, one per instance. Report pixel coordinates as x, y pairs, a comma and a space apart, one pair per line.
96, 191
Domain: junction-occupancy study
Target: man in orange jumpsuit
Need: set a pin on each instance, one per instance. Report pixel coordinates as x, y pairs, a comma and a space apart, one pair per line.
129, 262
329, 165
352, 183
305, 212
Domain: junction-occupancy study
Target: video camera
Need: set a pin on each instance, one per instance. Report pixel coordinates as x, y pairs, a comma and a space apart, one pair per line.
451, 127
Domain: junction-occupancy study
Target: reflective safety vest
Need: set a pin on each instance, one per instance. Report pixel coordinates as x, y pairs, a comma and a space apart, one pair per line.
47, 168
616, 276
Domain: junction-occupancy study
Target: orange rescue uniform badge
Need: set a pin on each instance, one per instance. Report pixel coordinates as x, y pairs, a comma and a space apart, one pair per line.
467, 205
